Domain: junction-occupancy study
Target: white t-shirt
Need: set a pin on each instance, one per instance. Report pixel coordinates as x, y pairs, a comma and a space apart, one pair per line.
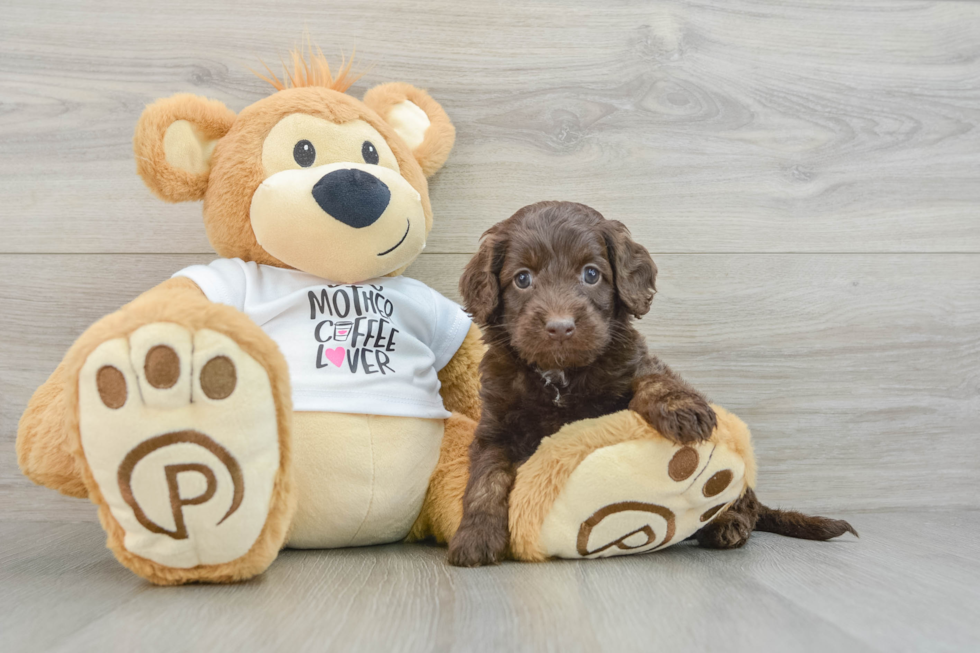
371, 348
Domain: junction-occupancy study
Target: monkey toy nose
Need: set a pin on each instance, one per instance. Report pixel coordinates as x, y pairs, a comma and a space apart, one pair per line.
560, 329
352, 196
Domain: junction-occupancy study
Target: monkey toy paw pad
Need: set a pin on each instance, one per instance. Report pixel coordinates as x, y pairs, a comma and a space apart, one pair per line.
179, 431
614, 486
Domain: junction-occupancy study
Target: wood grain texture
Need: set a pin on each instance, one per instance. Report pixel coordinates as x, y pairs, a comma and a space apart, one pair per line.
858, 374
719, 126
898, 588
806, 174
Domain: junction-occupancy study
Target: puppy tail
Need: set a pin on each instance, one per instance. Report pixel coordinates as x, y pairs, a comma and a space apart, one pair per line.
804, 527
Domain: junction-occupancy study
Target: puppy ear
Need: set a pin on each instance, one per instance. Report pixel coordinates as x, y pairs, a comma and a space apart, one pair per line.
418, 119
634, 270
480, 283
173, 143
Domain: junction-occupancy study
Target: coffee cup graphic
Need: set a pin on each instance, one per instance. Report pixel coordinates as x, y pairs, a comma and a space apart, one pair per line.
341, 330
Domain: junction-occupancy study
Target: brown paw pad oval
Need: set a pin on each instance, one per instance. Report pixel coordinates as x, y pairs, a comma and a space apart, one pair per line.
711, 512
683, 464
717, 483
219, 378
112, 386
162, 367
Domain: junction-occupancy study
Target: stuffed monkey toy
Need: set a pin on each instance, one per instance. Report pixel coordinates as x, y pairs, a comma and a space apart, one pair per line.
299, 391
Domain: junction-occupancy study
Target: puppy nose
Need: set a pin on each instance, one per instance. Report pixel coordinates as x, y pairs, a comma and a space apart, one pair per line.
352, 196
561, 328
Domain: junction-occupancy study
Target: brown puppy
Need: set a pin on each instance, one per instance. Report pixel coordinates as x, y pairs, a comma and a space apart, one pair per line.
555, 288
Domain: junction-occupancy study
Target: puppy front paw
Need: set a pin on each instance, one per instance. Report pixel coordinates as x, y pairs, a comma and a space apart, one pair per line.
681, 416
476, 547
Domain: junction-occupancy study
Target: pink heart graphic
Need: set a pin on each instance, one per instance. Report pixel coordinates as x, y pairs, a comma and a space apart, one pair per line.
335, 356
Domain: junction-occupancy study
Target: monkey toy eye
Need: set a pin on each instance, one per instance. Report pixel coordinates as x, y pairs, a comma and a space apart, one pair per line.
304, 154
591, 275
369, 153
522, 279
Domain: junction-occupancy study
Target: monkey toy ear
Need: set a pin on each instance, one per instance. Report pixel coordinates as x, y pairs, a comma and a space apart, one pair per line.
418, 119
174, 140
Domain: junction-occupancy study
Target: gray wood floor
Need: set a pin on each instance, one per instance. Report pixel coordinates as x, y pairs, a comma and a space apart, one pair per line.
911, 583
806, 175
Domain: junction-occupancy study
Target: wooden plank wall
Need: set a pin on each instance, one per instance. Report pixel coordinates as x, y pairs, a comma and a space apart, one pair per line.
807, 175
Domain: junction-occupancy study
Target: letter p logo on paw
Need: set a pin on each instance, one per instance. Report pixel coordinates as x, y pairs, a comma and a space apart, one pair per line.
172, 472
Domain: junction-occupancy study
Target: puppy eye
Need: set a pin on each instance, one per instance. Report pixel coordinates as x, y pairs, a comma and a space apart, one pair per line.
370, 153
591, 275
522, 279
304, 153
